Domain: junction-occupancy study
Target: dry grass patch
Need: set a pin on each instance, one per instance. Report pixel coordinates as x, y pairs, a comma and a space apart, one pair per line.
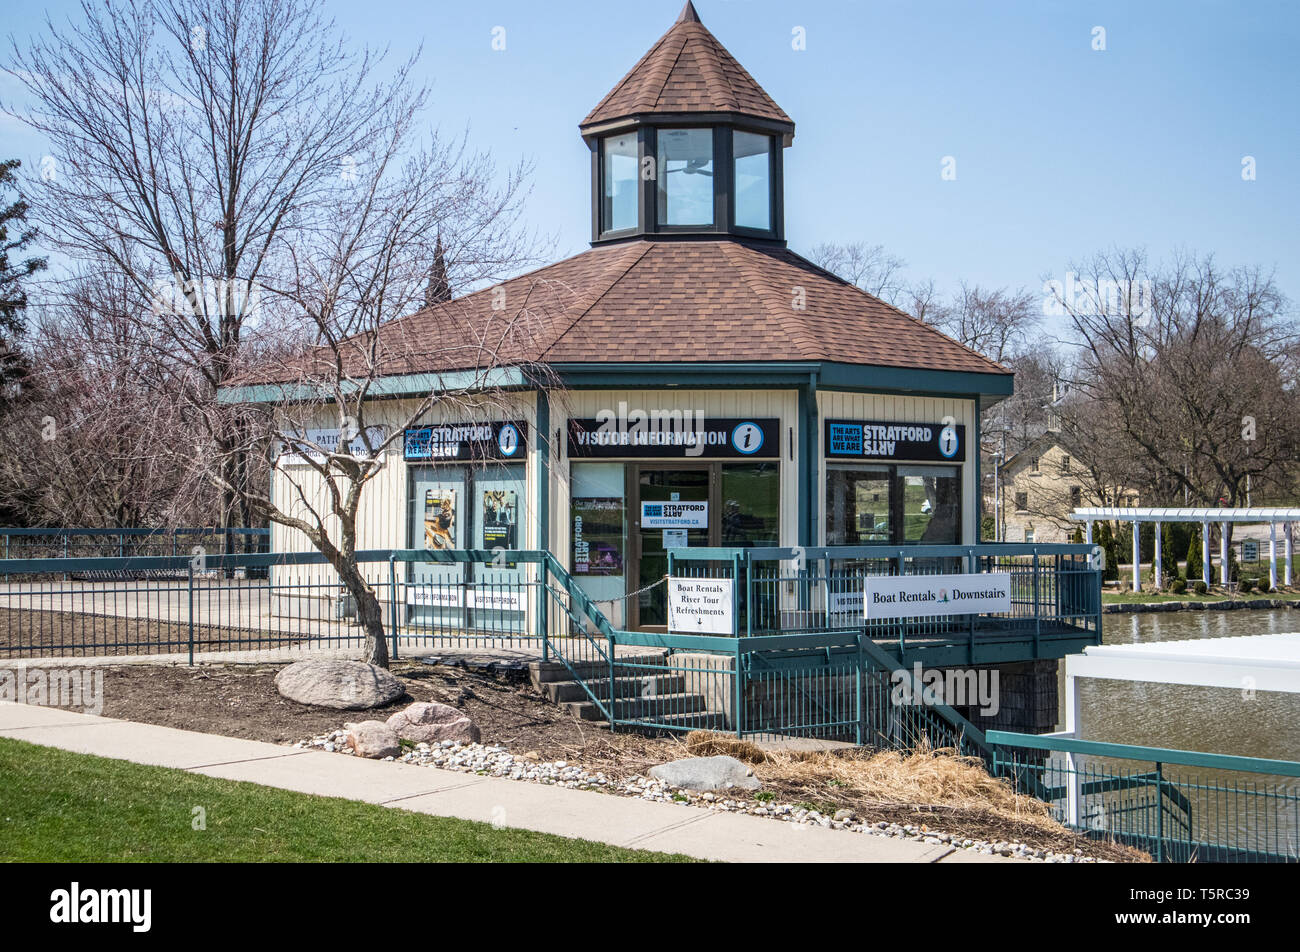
922, 777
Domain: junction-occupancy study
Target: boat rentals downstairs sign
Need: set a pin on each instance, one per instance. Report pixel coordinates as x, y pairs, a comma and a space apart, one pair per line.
924, 596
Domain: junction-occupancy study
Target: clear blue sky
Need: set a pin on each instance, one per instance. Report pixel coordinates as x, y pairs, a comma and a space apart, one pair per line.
1061, 150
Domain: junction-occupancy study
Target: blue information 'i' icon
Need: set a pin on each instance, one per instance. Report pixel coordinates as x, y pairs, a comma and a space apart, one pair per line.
747, 438
508, 440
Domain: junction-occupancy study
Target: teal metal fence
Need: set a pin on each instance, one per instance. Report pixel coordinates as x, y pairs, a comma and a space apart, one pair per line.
1178, 805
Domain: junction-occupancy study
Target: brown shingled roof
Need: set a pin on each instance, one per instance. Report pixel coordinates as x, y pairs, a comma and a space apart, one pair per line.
687, 71
673, 301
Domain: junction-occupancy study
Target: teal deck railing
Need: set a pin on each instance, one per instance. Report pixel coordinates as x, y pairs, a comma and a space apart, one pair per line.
1230, 809
1055, 597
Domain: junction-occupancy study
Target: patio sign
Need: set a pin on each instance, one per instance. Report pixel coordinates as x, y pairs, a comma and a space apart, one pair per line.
924, 596
701, 606
434, 594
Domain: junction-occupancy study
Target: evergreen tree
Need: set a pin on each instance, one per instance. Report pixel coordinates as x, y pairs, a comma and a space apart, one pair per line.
1194, 556
438, 289
14, 237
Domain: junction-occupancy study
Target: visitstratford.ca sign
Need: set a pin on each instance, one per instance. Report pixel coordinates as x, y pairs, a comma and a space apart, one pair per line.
893, 440
924, 596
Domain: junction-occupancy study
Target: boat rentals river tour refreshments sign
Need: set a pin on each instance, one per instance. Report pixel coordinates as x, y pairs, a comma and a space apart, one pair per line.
925, 596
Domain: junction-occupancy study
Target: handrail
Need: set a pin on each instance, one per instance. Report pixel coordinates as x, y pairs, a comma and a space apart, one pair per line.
812, 553
254, 560
134, 533
1164, 755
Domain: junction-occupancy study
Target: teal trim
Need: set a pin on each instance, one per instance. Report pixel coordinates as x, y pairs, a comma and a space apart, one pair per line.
979, 485
1189, 758
406, 385
542, 440
986, 389
809, 490
915, 381
832, 376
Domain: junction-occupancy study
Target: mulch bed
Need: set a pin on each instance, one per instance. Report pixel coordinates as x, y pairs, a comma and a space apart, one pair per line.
241, 701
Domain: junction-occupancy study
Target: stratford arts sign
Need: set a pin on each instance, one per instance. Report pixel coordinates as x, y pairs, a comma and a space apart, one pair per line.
925, 596
893, 440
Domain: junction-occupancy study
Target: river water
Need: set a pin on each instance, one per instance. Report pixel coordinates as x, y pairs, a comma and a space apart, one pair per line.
1193, 718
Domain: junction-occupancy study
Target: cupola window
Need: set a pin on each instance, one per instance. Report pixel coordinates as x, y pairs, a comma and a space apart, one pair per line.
752, 155
619, 177
685, 177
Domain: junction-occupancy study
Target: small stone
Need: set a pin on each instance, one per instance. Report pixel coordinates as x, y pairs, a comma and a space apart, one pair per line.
373, 739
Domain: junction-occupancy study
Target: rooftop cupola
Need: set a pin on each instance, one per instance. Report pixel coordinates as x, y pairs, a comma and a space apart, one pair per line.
687, 144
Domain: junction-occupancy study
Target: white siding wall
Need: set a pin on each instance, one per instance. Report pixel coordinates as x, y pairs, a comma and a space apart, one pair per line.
872, 406
382, 517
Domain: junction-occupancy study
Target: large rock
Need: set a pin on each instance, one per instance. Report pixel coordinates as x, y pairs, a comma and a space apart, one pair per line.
428, 722
373, 739
348, 685
707, 773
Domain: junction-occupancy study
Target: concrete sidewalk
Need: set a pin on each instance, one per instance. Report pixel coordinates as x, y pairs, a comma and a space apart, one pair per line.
620, 821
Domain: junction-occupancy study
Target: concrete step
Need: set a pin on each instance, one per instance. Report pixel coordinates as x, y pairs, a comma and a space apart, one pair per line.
557, 692
546, 672
668, 705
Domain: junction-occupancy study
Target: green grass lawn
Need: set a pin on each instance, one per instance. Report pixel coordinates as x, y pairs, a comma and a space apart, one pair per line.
57, 806
1127, 596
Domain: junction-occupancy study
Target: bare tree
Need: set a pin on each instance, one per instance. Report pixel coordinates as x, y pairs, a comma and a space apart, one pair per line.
89, 442
1194, 365
357, 278
999, 324
188, 139
870, 267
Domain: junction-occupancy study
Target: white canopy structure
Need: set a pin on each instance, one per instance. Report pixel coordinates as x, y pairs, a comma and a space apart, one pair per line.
1205, 517
1254, 662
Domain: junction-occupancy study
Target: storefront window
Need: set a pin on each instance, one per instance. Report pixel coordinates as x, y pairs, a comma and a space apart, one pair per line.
858, 507
685, 177
619, 178
753, 180
931, 504
598, 514
893, 505
751, 504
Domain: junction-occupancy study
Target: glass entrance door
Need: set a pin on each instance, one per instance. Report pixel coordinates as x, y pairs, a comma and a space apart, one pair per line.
435, 597
673, 507
497, 600
460, 507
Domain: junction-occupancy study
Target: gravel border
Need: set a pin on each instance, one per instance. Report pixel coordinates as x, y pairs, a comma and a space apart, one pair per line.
494, 761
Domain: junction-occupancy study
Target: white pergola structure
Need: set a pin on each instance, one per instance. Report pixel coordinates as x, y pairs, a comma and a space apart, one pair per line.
1205, 517
1239, 663
1245, 663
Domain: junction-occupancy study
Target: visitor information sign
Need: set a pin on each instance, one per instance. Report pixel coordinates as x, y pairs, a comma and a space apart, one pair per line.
924, 596
701, 606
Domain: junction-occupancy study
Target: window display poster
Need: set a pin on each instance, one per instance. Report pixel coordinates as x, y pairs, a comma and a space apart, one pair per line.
500, 518
597, 535
440, 518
